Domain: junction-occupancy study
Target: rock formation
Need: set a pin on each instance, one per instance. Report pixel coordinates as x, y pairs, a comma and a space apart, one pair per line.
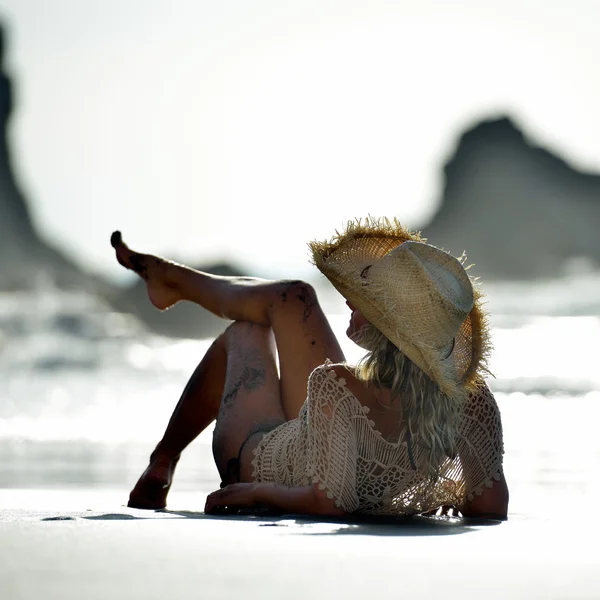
520, 211
24, 256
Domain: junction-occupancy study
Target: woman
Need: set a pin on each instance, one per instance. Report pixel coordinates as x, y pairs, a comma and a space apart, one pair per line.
295, 436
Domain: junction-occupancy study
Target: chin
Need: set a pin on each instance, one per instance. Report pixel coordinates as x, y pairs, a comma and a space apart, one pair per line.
355, 337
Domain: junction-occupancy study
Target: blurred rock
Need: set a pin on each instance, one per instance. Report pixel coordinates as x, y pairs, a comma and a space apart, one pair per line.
520, 211
25, 259
27, 262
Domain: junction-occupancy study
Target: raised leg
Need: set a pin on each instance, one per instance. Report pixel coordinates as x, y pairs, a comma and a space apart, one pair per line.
286, 311
302, 333
234, 298
197, 408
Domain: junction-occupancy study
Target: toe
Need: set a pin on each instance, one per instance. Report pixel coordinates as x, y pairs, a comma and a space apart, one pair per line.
116, 239
126, 257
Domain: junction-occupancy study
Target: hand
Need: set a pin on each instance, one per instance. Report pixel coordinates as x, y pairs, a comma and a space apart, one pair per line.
236, 495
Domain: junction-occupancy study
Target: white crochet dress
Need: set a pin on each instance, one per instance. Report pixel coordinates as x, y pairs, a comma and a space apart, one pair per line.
335, 444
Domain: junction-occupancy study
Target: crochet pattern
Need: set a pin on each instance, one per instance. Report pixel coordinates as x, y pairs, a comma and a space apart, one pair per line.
335, 444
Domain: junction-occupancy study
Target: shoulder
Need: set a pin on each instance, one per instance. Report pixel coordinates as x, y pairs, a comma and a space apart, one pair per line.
333, 385
333, 371
480, 417
340, 369
480, 400
340, 373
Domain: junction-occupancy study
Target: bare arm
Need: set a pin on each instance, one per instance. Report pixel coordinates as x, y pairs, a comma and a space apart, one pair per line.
308, 500
491, 504
480, 448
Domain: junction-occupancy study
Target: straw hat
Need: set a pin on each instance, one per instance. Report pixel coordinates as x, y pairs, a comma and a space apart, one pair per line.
418, 296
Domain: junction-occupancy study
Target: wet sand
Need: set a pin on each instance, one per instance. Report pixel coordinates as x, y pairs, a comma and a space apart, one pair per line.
84, 544
66, 534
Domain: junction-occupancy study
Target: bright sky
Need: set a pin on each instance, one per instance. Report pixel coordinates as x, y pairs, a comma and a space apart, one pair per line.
244, 128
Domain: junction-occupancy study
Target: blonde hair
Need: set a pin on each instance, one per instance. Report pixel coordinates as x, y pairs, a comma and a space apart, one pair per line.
431, 415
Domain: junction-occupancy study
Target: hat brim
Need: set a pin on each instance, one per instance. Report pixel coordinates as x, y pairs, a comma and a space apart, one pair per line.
343, 260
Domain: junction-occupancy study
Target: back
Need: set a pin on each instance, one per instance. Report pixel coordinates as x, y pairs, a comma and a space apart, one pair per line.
335, 443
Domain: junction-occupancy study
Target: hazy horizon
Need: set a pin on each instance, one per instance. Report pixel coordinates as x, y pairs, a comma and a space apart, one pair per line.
241, 131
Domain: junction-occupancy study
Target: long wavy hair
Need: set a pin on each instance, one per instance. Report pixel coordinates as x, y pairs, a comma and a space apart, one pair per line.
431, 416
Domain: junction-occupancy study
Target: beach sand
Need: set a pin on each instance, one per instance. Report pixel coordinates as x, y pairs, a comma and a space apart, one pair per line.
66, 534
84, 544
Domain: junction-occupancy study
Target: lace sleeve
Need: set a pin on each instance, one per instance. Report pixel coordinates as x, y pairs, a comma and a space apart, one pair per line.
331, 441
480, 445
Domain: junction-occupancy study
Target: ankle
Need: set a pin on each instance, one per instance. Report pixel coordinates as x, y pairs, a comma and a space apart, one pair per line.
163, 454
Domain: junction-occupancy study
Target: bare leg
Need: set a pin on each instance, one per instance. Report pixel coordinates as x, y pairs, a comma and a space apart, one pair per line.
302, 333
196, 410
287, 309
251, 402
234, 298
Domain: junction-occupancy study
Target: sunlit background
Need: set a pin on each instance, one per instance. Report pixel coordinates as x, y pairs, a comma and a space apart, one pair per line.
237, 131
241, 130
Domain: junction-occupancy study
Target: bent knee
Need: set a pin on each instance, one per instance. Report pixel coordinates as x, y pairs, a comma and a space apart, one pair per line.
294, 295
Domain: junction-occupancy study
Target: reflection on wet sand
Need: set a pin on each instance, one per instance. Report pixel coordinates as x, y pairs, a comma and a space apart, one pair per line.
86, 464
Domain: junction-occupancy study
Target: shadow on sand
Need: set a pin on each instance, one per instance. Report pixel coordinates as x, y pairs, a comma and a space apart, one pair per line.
304, 525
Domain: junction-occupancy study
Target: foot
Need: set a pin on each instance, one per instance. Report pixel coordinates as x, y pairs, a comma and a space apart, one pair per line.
150, 492
159, 274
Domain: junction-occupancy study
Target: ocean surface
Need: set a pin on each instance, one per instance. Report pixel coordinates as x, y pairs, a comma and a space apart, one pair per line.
85, 393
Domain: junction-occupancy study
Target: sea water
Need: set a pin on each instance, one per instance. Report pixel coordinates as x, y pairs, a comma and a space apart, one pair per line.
85, 392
